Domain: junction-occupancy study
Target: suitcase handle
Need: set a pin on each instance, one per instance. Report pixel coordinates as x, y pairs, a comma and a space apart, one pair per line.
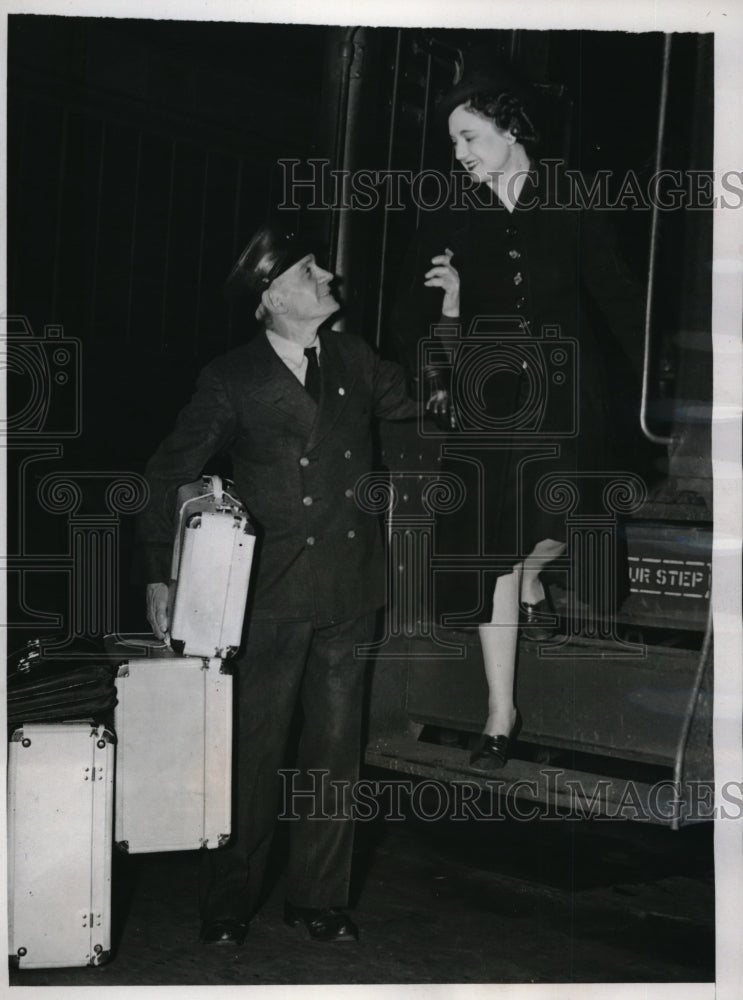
210, 486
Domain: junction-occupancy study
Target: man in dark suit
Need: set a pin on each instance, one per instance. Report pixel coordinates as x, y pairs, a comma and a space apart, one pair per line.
294, 408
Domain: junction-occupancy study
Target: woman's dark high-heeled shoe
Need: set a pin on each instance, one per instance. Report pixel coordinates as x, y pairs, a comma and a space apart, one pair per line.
538, 621
491, 753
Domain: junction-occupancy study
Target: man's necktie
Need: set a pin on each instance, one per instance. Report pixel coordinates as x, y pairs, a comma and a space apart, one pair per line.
312, 376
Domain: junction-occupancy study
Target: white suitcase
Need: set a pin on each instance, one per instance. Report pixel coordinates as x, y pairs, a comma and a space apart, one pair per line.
173, 726
212, 558
60, 815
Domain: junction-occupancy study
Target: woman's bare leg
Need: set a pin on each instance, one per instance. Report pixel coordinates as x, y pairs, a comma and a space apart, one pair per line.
532, 591
499, 640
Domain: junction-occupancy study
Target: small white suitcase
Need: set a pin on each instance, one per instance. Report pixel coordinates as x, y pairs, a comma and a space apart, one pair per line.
173, 726
212, 558
60, 815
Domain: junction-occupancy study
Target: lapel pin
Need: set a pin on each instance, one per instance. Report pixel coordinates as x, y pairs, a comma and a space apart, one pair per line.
341, 391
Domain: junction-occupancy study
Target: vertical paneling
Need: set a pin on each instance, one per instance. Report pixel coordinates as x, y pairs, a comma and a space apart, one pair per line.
217, 255
132, 238
16, 133
117, 213
33, 208
76, 264
181, 289
149, 260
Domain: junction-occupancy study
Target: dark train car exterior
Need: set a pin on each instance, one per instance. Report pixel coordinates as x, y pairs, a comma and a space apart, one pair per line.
617, 713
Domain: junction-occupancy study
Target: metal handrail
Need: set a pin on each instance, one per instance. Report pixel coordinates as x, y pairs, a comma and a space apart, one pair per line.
678, 766
650, 435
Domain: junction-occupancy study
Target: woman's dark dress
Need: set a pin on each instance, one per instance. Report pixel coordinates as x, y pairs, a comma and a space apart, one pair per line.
544, 380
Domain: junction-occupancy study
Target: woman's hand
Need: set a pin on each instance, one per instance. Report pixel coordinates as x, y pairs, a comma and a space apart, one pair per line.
443, 275
439, 403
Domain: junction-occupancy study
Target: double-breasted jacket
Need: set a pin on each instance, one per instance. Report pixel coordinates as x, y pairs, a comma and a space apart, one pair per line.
295, 465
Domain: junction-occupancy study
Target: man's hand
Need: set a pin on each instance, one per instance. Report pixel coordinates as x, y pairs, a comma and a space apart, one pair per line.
443, 275
159, 608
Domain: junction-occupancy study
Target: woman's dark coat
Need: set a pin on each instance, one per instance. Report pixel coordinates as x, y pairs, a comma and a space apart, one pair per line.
545, 376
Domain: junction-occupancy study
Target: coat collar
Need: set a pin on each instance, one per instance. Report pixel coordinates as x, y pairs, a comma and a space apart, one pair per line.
337, 381
274, 385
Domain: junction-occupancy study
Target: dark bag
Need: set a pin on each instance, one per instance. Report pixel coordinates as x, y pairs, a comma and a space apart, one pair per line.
44, 687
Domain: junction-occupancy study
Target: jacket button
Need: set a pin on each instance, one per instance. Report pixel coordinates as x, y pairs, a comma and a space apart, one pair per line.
307, 501
347, 454
514, 254
518, 278
511, 231
311, 540
520, 302
351, 534
349, 493
304, 461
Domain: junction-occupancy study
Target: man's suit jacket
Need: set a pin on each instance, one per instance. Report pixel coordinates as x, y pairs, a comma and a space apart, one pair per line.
319, 556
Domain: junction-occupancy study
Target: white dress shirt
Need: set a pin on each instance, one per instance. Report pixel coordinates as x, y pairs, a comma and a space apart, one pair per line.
292, 353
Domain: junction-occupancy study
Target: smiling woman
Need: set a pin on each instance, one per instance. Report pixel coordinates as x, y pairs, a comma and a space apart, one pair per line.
523, 409
491, 140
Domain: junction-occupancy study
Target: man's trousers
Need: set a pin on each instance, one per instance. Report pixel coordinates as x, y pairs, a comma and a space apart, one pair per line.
286, 667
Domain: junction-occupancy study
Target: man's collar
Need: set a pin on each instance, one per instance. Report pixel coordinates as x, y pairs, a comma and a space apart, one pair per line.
290, 349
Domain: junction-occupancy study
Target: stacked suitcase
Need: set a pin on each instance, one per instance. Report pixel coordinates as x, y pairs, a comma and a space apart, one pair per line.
212, 556
173, 725
60, 805
60, 808
176, 708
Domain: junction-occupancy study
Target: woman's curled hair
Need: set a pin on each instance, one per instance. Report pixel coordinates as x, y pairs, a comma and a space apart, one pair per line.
506, 111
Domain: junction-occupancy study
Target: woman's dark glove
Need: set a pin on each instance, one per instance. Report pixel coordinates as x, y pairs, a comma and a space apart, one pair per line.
438, 399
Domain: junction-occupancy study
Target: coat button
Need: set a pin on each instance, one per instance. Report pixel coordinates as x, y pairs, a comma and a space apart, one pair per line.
349, 493
514, 254
347, 454
511, 231
304, 461
307, 501
351, 534
520, 302
311, 540
518, 278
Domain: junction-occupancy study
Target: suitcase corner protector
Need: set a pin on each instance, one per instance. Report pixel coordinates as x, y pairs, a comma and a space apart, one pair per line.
223, 839
123, 845
100, 957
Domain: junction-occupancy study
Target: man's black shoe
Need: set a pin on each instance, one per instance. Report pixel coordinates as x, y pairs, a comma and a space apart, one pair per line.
229, 933
323, 924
